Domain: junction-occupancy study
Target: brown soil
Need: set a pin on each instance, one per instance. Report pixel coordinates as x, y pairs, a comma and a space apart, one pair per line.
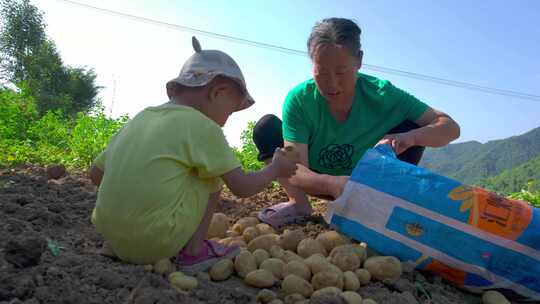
37, 214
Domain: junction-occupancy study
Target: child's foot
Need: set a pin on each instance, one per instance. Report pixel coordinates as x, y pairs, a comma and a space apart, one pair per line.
210, 253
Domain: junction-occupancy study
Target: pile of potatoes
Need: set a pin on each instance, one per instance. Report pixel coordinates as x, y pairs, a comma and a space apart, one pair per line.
305, 268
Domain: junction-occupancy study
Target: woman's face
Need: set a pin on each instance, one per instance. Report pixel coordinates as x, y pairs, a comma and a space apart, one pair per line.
335, 72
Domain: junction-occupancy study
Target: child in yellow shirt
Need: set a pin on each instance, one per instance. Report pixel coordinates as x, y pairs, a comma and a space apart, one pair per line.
160, 177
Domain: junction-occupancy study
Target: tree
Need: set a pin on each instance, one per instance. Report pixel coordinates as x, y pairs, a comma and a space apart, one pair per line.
31, 60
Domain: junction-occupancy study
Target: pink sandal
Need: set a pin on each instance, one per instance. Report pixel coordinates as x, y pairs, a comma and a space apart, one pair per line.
280, 215
210, 253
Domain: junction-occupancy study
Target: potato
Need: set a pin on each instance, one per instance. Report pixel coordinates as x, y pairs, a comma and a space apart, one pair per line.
493, 297
231, 233
243, 223
314, 261
298, 268
183, 282
260, 278
332, 239
345, 258
244, 263
263, 242
290, 256
265, 296
164, 266
294, 284
352, 297
276, 301
222, 270
275, 266
368, 301
350, 281
219, 224
277, 252
290, 239
384, 268
148, 267
238, 241
363, 276
308, 247
327, 279
326, 291
260, 255
357, 249
264, 228
294, 298
249, 234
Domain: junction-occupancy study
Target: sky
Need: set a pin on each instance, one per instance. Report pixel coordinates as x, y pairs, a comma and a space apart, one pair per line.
490, 43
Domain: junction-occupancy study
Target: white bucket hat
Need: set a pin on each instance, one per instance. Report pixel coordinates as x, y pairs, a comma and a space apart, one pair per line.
203, 66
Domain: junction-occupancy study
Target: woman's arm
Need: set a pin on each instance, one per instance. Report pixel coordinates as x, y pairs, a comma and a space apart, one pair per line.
437, 130
307, 181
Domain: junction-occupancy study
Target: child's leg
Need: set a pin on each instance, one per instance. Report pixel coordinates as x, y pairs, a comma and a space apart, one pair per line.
195, 244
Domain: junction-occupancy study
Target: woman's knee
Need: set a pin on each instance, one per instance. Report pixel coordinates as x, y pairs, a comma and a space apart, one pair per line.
267, 136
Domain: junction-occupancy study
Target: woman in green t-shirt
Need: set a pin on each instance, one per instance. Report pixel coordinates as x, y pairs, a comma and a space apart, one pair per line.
332, 119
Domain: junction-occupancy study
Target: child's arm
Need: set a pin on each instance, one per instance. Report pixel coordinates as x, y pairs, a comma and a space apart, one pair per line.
95, 175
244, 184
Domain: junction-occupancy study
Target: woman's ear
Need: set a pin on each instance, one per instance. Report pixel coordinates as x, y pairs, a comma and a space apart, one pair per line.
360, 57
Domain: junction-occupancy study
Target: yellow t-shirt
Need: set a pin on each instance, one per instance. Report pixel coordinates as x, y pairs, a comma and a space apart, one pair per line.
159, 171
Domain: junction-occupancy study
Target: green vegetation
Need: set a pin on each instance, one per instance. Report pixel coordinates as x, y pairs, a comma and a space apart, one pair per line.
26, 137
247, 153
472, 162
513, 180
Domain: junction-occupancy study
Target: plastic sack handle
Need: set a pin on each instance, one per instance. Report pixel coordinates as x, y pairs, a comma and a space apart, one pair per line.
386, 150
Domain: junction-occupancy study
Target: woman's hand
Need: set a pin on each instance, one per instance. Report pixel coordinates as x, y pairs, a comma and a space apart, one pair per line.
399, 141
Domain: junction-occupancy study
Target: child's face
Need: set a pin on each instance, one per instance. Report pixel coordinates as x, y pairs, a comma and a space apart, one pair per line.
225, 99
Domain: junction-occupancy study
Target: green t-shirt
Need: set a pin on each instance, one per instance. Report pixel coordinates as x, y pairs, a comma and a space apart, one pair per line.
335, 147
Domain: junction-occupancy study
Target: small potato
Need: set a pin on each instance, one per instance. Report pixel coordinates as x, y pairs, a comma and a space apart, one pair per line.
308, 247
265, 296
363, 276
315, 261
276, 301
345, 258
260, 255
277, 252
294, 298
323, 266
249, 234
243, 223
226, 241
384, 268
350, 281
263, 242
183, 282
231, 233
290, 239
326, 291
164, 266
332, 239
148, 267
290, 256
219, 224
327, 279
275, 266
368, 301
260, 278
265, 229
245, 263
494, 297
222, 270
238, 241
293, 284
352, 297
298, 268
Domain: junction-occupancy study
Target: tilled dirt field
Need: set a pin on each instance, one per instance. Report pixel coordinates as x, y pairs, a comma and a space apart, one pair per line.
40, 217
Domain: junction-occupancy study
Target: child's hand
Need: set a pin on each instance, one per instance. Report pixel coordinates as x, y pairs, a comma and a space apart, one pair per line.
284, 166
